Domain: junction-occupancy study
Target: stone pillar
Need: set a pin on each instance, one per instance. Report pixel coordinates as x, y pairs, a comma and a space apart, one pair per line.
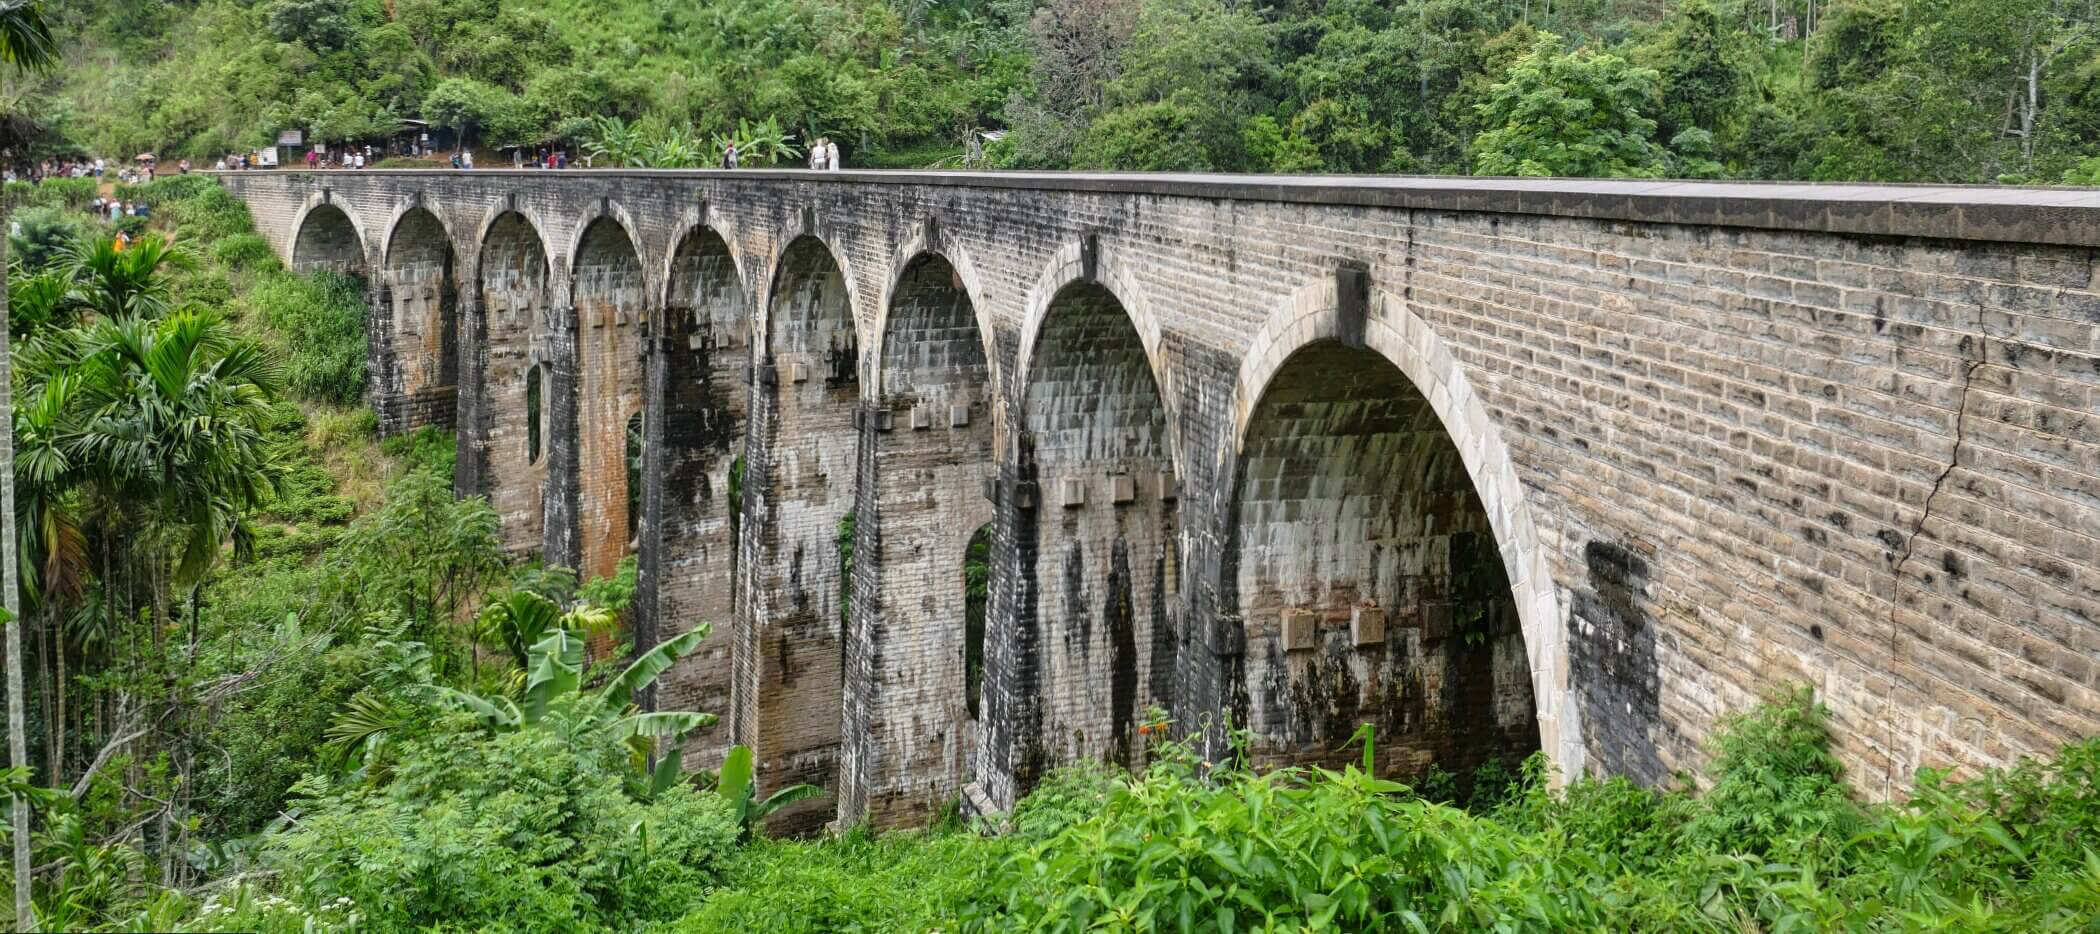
1009, 753
561, 545
649, 550
382, 372
862, 688
470, 469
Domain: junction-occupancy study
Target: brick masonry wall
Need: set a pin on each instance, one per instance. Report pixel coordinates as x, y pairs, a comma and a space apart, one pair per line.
798, 605
608, 307
699, 389
414, 329
925, 485
1724, 436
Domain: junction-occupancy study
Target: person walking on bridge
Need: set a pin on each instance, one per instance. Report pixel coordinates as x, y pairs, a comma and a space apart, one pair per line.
831, 155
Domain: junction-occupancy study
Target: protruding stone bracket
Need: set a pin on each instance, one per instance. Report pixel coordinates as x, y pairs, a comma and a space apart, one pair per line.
1228, 635
1352, 300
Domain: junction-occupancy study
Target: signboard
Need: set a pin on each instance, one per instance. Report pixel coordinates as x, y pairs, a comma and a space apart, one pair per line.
291, 137
266, 157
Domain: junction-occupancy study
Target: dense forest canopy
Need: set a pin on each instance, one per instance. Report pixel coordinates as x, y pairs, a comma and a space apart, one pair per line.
1890, 90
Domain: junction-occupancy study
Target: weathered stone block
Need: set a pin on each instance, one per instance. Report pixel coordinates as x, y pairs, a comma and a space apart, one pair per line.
1366, 626
1299, 628
1071, 492
1121, 489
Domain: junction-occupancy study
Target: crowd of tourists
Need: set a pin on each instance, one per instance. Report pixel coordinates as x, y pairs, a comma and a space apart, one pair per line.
115, 210
823, 156
145, 171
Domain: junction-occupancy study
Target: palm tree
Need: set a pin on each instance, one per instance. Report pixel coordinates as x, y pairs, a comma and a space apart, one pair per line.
127, 283
172, 420
26, 45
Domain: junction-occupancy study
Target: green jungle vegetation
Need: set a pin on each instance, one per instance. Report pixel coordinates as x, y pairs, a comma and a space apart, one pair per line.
275, 677
1887, 90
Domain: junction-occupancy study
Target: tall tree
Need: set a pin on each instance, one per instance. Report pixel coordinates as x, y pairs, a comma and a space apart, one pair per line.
1577, 113
26, 45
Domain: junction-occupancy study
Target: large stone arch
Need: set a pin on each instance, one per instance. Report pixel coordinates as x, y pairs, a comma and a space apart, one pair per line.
612, 211
327, 236
698, 399
723, 228
927, 240
1088, 565
414, 330
1395, 333
912, 731
798, 482
511, 334
598, 388
1090, 260
799, 231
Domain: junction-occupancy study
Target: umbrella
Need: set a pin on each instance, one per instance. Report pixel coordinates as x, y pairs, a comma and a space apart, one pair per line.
143, 157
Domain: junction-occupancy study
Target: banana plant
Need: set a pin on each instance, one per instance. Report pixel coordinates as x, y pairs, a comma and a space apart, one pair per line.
737, 783
554, 698
521, 619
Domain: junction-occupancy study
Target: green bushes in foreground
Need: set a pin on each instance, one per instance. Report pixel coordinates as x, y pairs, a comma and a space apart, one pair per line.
1774, 845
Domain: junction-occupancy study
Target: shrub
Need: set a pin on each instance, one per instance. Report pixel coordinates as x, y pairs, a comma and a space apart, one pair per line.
427, 448
198, 207
905, 882
321, 321
243, 252
1775, 845
512, 831
43, 235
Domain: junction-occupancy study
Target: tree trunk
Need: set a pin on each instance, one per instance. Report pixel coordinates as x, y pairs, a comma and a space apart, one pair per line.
58, 741
10, 594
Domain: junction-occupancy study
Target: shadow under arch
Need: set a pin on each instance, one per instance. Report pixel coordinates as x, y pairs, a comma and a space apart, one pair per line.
414, 335
327, 238
1424, 372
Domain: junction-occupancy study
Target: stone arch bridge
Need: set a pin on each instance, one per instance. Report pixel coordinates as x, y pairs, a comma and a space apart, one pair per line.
1495, 466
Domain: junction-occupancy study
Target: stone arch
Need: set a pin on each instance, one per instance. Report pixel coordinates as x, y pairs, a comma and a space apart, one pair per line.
414, 332
1095, 561
512, 329
327, 237
1091, 261
801, 241
598, 382
404, 206
609, 211
708, 222
1402, 339
698, 395
968, 282
931, 450
798, 488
